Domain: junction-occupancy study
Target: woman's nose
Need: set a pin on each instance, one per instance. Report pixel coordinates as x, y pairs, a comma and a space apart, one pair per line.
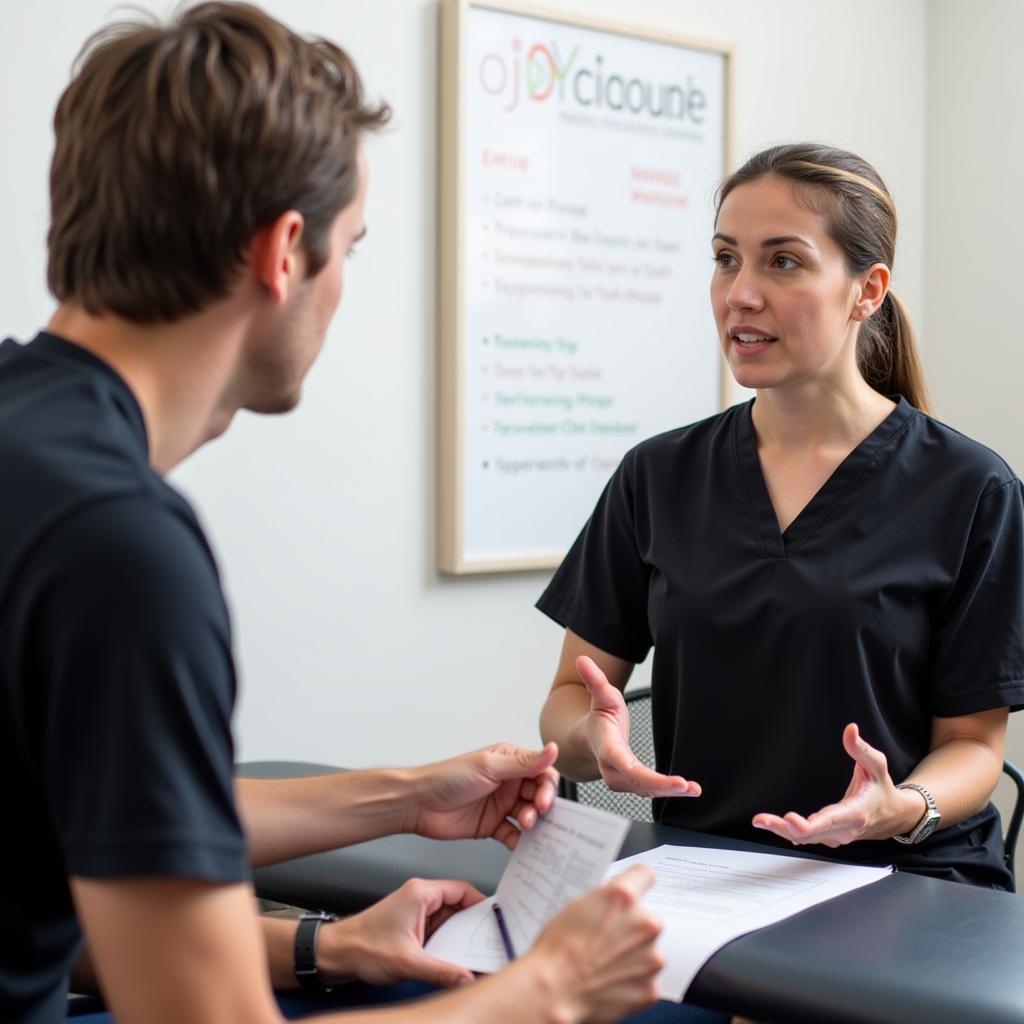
744, 292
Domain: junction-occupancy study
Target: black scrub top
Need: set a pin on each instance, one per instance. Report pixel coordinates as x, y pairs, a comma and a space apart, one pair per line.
896, 596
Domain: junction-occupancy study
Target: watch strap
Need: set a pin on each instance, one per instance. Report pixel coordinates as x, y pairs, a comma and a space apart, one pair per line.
306, 972
927, 822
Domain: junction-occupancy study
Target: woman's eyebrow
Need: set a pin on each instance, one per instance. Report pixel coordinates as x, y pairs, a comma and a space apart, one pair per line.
767, 243
785, 240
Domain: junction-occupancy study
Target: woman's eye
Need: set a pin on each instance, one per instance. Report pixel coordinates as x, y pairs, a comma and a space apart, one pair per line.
785, 262
723, 259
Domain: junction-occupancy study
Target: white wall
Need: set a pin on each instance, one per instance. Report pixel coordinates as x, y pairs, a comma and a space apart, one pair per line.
974, 252
352, 649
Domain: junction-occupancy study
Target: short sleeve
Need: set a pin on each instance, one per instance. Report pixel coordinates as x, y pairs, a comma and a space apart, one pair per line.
600, 589
978, 646
132, 653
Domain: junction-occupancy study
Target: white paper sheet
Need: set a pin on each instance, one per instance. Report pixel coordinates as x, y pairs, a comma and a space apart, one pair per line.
563, 856
706, 898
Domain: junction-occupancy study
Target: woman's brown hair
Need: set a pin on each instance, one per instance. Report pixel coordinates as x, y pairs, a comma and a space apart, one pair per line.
861, 218
176, 144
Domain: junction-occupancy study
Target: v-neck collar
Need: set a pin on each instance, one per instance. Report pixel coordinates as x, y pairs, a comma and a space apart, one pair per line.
774, 543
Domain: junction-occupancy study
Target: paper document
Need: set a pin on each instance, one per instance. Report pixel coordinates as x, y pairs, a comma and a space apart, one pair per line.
563, 856
706, 898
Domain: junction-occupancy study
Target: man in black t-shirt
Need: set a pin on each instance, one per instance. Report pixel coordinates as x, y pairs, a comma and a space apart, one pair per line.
207, 182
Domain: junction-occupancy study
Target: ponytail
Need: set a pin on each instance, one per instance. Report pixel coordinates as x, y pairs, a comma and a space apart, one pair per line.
888, 356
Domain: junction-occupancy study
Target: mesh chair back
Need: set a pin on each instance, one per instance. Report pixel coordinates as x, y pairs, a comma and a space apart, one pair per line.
1013, 828
641, 739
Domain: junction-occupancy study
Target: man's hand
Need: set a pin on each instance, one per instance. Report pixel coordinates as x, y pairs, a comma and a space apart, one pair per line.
473, 796
384, 944
872, 807
605, 730
599, 952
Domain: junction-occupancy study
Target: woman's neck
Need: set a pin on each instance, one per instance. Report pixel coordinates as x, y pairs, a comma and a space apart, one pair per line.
815, 417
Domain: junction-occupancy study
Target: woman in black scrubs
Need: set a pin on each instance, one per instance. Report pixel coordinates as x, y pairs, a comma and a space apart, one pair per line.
832, 581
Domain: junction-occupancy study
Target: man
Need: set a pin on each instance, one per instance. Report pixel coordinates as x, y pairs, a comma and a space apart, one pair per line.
207, 183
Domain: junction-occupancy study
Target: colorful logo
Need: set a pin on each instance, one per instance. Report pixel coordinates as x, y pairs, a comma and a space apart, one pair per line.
543, 73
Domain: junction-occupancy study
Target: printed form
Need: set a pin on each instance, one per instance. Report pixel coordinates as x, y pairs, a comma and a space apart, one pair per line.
706, 898
564, 855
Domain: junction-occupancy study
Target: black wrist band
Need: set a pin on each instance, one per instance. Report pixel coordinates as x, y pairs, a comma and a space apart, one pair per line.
306, 972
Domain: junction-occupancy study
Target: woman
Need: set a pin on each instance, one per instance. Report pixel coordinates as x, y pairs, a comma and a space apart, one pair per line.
831, 580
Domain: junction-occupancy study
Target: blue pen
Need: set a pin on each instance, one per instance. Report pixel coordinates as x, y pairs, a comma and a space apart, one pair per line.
506, 939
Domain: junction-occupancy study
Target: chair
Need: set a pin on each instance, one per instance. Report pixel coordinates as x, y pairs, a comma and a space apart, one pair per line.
641, 739
1016, 816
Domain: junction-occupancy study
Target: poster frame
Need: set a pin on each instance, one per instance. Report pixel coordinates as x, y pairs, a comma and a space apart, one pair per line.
451, 556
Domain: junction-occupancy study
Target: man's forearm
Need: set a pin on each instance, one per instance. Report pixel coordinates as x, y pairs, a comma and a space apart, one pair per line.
286, 818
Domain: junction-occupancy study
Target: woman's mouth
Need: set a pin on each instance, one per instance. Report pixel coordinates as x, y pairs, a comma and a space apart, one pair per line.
750, 341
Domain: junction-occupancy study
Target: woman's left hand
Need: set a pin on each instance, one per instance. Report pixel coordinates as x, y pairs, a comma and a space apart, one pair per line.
872, 807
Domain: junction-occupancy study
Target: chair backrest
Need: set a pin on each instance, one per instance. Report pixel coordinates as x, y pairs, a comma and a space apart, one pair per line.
641, 739
1016, 816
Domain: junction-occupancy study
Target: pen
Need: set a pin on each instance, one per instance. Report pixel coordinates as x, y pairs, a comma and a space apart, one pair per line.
506, 939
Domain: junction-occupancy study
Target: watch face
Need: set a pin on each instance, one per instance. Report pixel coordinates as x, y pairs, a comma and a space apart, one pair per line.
927, 829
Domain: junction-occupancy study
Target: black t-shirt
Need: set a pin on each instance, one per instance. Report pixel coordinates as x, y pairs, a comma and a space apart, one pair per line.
116, 674
896, 595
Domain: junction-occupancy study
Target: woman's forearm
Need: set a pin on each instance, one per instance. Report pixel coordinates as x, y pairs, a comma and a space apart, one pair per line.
561, 720
961, 774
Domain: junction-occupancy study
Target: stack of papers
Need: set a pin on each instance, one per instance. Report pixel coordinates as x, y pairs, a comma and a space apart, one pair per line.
704, 898
564, 855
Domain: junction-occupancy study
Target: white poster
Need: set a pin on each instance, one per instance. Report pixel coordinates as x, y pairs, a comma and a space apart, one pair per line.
589, 163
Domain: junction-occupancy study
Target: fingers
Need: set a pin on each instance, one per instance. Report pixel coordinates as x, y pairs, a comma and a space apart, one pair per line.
832, 826
792, 827
434, 893
512, 762
507, 834
871, 760
635, 880
439, 973
602, 693
627, 774
773, 823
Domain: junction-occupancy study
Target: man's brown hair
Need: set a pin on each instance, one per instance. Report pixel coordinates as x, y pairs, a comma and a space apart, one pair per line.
176, 144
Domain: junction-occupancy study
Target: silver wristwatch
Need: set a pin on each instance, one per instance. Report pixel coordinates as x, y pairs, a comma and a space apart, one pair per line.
926, 826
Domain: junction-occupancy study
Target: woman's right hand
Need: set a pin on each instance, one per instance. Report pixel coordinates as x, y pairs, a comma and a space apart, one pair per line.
605, 731
598, 955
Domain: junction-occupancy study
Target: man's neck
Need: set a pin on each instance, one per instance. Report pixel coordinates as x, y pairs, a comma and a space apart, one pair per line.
180, 373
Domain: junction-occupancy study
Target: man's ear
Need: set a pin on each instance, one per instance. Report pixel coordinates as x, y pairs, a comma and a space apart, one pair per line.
277, 260
874, 286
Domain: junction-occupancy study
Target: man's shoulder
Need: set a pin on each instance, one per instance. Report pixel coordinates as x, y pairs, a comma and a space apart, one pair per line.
73, 445
148, 545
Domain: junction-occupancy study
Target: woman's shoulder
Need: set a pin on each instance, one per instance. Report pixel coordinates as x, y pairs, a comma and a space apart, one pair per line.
701, 438
943, 449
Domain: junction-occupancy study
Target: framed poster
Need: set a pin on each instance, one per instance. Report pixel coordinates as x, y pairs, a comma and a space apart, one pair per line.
578, 166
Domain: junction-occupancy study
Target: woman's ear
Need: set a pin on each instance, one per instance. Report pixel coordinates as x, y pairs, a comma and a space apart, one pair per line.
874, 286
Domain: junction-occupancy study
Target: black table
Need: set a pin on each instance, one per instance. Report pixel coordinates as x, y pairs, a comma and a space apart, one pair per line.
905, 950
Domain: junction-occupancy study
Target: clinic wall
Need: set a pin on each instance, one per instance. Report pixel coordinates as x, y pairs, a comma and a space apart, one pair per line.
352, 649
974, 239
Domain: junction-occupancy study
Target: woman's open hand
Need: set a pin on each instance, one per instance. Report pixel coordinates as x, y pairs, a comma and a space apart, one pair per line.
605, 730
